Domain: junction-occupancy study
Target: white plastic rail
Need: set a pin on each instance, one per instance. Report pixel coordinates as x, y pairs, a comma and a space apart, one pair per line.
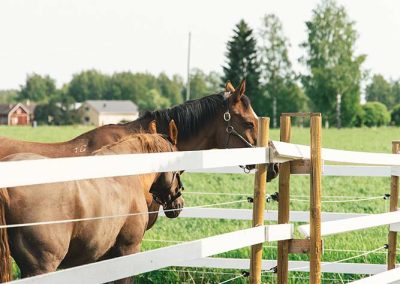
121, 267
353, 224
390, 276
19, 173
286, 151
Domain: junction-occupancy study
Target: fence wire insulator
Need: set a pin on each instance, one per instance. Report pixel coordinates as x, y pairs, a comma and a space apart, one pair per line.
275, 196
386, 246
386, 196
245, 273
250, 199
274, 269
272, 197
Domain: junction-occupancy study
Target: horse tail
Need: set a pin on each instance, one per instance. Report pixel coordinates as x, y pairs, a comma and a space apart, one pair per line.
5, 254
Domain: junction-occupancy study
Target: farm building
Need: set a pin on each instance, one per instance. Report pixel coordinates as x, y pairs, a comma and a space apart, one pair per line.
101, 112
15, 114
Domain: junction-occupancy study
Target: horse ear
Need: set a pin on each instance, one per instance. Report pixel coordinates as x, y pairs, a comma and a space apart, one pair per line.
173, 132
229, 87
239, 91
153, 127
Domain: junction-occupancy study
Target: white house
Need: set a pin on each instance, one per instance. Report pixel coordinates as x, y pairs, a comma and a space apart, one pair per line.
101, 112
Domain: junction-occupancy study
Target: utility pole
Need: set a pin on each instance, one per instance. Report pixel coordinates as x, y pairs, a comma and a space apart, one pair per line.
188, 70
274, 123
338, 102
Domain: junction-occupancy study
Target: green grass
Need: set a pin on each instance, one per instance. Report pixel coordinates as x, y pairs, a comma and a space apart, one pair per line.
364, 139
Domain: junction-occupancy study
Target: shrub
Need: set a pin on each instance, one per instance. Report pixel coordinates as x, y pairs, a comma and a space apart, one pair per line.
375, 114
396, 115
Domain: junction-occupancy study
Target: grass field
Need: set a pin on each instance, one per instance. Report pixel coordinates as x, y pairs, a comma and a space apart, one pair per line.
168, 231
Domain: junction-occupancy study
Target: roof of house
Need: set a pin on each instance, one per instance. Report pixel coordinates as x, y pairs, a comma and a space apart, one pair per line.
6, 108
112, 106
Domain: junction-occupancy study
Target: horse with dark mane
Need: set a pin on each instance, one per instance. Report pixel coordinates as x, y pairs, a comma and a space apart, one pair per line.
223, 120
43, 248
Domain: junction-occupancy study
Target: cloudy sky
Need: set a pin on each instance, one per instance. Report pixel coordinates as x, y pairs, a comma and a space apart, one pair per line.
63, 37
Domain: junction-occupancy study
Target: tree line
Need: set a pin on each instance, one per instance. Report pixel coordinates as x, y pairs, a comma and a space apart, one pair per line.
147, 91
330, 84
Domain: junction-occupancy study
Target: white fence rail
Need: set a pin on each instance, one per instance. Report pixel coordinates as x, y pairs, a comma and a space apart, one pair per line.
66, 169
283, 152
353, 224
390, 276
77, 168
121, 267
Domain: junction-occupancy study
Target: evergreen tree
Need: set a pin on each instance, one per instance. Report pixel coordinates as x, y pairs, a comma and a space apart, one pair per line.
334, 69
242, 63
279, 88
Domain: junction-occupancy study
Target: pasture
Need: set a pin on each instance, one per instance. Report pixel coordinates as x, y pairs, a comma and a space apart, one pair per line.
339, 247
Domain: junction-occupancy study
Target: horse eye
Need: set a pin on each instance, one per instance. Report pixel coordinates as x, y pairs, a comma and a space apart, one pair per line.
249, 124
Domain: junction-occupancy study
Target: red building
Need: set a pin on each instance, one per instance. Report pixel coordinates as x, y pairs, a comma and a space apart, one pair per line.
14, 114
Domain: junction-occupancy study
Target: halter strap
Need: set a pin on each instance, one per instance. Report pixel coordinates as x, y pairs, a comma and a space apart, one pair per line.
231, 130
163, 203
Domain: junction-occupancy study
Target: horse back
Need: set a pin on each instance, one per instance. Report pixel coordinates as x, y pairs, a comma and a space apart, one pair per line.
83, 145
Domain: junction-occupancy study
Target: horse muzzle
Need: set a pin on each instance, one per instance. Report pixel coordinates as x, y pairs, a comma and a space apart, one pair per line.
174, 209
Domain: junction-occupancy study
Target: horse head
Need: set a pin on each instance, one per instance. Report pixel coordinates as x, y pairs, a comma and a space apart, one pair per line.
241, 123
168, 187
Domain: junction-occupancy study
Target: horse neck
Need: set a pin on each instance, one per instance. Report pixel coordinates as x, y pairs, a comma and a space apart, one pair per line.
141, 123
202, 137
147, 181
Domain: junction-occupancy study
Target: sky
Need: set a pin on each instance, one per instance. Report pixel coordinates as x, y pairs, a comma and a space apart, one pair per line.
63, 37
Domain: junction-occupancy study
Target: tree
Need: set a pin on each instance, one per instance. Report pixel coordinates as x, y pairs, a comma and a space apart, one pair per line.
59, 110
202, 84
242, 63
170, 89
152, 100
8, 96
123, 86
380, 90
375, 114
279, 87
395, 115
89, 85
333, 67
213, 82
37, 88
396, 91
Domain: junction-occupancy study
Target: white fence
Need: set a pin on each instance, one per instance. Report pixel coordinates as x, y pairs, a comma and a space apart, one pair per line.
65, 169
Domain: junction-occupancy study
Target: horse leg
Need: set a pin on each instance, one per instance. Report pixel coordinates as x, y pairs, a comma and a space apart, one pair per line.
121, 250
35, 253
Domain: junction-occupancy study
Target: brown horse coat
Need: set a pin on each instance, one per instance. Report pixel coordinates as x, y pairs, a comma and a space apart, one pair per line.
44, 248
200, 123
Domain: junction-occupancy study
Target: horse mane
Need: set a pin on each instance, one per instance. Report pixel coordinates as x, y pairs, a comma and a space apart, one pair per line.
144, 143
189, 116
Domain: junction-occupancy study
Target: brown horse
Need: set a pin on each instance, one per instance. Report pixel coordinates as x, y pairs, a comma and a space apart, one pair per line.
44, 248
224, 120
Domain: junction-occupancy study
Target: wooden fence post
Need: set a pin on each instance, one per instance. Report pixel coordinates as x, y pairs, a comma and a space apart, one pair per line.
315, 200
394, 199
259, 201
283, 205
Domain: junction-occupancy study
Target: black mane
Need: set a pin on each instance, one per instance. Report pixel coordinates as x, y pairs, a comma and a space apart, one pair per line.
190, 115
